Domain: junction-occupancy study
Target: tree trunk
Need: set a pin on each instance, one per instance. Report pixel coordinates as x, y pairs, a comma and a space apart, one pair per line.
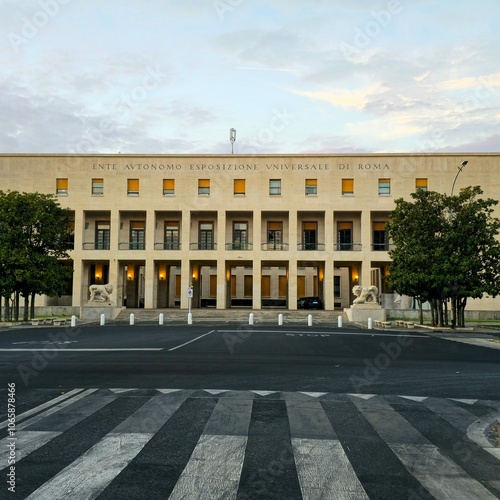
16, 306
26, 307
32, 307
420, 312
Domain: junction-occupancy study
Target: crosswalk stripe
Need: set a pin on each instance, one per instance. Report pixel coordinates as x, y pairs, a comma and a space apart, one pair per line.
242, 444
54, 409
80, 480
440, 475
41, 407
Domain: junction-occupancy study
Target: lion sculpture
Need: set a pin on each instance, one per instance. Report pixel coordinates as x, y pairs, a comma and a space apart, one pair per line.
365, 294
100, 293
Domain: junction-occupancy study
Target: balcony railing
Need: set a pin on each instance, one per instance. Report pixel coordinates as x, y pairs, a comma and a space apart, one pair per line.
347, 247
132, 245
164, 245
311, 246
95, 245
239, 246
274, 246
203, 246
382, 247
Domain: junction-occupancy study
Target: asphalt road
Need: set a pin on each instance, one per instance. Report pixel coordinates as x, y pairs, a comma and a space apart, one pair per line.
227, 411
347, 360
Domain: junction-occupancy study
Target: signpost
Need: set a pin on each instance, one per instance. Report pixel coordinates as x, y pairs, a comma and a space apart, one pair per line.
190, 296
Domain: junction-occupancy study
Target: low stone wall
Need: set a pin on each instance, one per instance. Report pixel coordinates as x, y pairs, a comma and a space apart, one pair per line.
56, 311
469, 315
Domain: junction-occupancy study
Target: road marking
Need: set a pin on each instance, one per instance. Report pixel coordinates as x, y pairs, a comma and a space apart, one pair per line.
189, 342
324, 334
104, 349
52, 402
214, 469
87, 476
442, 477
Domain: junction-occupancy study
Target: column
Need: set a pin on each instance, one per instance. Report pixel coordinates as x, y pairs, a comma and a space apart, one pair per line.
366, 240
257, 284
292, 284
222, 283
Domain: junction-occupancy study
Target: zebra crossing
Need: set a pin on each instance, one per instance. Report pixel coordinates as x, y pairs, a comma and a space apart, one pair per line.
217, 444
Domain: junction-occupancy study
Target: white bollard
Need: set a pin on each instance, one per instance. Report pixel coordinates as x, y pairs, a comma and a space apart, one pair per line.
309, 320
73, 321
103, 319
190, 318
250, 319
280, 319
132, 318
339, 321
160, 318
370, 324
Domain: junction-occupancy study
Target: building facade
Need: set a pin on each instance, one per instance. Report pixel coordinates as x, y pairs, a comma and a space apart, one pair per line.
236, 231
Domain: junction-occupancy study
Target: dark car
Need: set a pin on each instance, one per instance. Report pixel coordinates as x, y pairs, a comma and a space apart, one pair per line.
309, 303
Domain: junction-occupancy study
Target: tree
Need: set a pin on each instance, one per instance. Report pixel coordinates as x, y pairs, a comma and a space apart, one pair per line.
34, 238
445, 249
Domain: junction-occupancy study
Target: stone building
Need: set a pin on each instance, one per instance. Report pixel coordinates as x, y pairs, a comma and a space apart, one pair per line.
243, 231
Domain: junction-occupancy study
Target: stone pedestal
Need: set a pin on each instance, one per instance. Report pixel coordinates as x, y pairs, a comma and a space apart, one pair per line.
93, 310
361, 312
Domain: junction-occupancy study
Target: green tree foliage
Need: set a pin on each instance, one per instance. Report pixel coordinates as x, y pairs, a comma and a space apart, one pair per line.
445, 250
34, 239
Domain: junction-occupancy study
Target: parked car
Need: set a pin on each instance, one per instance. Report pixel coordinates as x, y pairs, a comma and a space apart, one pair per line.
309, 303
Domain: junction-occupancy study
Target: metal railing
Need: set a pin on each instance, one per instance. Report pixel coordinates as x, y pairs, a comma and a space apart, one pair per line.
132, 245
348, 247
311, 246
239, 246
95, 245
274, 246
203, 246
164, 245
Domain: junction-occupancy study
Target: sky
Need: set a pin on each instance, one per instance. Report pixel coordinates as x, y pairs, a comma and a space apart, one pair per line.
291, 76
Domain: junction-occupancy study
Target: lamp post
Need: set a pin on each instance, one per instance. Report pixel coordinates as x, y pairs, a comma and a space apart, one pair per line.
454, 300
232, 138
460, 168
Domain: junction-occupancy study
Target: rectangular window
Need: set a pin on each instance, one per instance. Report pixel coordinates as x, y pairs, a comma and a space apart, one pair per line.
309, 236
171, 235
421, 184
384, 186
344, 235
102, 233
213, 285
177, 285
266, 286
275, 187
133, 187
347, 187
379, 236
239, 187
311, 186
204, 186
336, 287
239, 236
275, 235
168, 187
247, 285
137, 231
97, 187
206, 241
62, 187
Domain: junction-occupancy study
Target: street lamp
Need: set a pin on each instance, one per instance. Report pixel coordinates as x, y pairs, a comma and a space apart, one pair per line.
232, 138
460, 168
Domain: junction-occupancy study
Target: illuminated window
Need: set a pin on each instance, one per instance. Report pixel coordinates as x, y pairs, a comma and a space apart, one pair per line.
379, 236
275, 187
213, 285
62, 187
347, 187
239, 187
384, 186
311, 186
204, 186
133, 187
421, 184
97, 186
168, 187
